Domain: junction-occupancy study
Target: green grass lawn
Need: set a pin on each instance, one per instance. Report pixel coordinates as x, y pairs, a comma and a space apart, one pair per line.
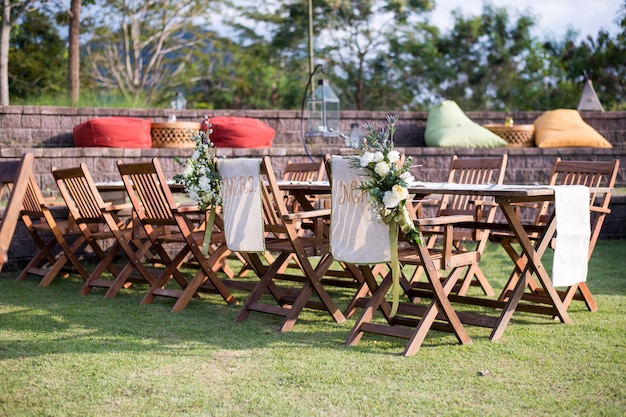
66, 355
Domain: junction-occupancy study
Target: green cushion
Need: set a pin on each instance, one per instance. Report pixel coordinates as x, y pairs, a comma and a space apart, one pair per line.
448, 127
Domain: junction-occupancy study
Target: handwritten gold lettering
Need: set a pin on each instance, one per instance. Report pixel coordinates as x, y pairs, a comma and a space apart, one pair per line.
351, 194
238, 185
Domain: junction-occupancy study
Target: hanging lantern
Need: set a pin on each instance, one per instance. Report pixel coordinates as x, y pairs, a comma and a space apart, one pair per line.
323, 111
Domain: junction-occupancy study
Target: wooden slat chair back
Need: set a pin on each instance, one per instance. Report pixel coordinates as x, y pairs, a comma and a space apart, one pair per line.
587, 173
471, 171
105, 231
303, 171
14, 176
56, 255
169, 224
284, 240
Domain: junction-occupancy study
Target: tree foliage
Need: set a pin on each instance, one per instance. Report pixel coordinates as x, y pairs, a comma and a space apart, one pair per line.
38, 57
12, 11
378, 55
140, 48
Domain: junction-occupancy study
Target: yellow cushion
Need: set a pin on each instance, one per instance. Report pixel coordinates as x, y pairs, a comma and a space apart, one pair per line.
565, 128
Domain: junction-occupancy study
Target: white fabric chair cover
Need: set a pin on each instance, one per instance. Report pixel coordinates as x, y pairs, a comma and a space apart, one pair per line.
242, 209
355, 235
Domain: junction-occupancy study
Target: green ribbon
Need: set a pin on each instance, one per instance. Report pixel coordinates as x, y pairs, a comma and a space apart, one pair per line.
208, 231
395, 268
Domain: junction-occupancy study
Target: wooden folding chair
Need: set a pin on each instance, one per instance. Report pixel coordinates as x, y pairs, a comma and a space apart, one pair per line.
301, 172
169, 224
469, 171
14, 176
284, 240
105, 231
49, 234
587, 173
351, 242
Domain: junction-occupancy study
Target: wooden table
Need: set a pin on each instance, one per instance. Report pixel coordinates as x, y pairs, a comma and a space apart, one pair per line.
505, 196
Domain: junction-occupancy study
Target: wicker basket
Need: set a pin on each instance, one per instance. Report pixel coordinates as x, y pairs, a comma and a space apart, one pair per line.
521, 136
174, 134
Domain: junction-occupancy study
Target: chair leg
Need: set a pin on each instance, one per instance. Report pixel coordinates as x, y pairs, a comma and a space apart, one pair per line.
439, 304
205, 273
265, 279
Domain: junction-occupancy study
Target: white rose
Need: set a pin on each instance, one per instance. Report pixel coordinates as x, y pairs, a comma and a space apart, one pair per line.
406, 176
196, 155
378, 156
382, 169
397, 194
393, 156
390, 200
366, 158
204, 183
193, 194
400, 191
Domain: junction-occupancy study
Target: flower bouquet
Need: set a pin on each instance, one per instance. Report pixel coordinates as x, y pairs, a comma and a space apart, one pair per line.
386, 182
201, 178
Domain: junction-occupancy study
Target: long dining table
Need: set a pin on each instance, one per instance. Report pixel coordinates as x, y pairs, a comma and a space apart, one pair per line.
506, 197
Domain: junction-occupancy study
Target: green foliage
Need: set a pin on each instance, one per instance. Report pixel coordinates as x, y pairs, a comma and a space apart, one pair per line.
378, 54
38, 58
88, 98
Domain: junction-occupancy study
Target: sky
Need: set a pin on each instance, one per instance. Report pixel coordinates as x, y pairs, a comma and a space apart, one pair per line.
554, 16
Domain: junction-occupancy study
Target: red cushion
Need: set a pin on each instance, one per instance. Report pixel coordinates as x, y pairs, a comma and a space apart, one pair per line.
240, 132
114, 132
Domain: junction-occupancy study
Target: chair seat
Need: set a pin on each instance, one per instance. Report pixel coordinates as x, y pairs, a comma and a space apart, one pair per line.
410, 257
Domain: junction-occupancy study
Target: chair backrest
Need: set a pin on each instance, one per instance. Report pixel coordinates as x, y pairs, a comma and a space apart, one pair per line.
590, 174
355, 235
303, 171
274, 207
471, 171
79, 191
35, 210
14, 177
33, 199
148, 192
242, 208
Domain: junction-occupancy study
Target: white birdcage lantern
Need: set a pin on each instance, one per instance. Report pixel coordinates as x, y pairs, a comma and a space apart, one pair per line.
323, 111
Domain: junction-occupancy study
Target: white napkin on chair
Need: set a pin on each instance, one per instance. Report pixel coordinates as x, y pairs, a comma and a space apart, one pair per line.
573, 232
355, 236
242, 209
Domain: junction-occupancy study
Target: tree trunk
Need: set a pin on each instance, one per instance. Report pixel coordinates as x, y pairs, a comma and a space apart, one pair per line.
5, 37
73, 58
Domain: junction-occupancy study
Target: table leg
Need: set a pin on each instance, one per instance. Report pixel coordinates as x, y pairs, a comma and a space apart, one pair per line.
534, 265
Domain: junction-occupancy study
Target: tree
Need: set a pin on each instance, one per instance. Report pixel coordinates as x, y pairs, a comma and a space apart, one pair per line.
73, 55
12, 10
359, 48
483, 57
37, 57
601, 58
139, 46
352, 39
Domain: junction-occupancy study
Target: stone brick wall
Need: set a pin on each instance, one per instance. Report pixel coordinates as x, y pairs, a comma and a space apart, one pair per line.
49, 126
